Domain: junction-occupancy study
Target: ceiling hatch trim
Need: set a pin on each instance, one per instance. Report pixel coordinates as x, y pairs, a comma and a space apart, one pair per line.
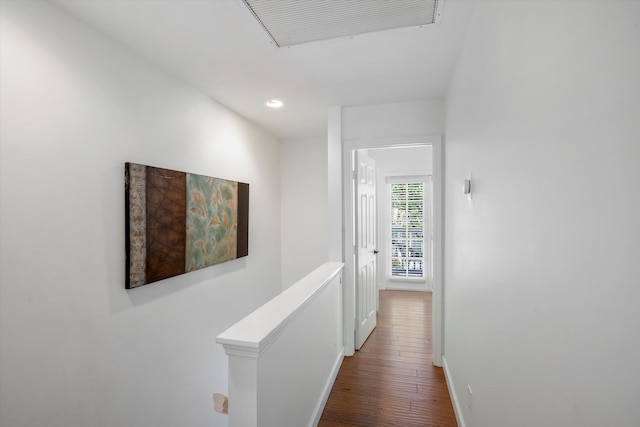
293, 22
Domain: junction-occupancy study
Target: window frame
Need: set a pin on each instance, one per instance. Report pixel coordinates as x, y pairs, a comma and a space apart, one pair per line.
427, 218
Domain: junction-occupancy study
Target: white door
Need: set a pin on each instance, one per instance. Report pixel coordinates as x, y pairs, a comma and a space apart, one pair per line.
365, 237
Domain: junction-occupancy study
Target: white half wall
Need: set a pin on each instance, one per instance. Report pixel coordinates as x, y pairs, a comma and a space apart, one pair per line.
542, 288
304, 207
76, 348
285, 356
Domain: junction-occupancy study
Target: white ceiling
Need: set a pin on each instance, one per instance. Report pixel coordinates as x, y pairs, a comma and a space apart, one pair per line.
219, 48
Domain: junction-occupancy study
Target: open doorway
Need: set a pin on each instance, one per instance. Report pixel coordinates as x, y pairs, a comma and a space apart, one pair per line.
405, 217
404, 161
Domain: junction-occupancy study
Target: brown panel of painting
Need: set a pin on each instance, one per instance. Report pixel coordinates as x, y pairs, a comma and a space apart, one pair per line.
166, 229
243, 219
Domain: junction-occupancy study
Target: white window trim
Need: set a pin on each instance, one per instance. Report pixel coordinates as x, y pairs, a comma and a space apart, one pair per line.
403, 178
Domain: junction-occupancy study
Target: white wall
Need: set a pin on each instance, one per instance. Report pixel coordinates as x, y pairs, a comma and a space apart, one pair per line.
77, 349
334, 184
542, 288
395, 162
384, 121
304, 207
403, 160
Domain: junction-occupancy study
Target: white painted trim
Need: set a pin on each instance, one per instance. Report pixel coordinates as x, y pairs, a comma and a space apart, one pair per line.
438, 252
413, 141
415, 280
337, 247
404, 177
327, 390
349, 253
439, 9
457, 410
436, 142
396, 286
417, 284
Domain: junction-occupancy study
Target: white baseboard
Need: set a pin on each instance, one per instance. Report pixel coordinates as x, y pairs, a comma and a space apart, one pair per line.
327, 390
452, 392
405, 285
400, 286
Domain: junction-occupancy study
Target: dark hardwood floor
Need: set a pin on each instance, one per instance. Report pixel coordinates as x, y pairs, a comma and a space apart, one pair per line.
391, 381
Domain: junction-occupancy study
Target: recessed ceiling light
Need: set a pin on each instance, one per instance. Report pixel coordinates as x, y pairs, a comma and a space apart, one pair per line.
274, 103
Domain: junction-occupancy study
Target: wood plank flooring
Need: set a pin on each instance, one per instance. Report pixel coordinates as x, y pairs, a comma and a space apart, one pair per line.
391, 381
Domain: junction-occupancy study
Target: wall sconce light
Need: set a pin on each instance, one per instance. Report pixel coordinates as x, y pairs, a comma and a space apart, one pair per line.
466, 188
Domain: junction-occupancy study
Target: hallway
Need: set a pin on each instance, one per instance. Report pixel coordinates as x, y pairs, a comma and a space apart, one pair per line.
391, 381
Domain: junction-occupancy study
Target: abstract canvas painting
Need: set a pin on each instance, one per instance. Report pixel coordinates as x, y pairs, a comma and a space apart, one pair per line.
177, 222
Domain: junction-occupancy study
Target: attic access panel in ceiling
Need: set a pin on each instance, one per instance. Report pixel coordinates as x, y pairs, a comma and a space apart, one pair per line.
292, 22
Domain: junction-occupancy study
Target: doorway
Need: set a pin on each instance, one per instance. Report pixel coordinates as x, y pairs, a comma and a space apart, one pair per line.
405, 217
432, 172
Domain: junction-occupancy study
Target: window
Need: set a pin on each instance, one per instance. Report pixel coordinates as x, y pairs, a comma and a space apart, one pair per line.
407, 230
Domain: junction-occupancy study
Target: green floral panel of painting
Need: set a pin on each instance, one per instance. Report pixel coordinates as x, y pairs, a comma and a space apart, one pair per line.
212, 221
